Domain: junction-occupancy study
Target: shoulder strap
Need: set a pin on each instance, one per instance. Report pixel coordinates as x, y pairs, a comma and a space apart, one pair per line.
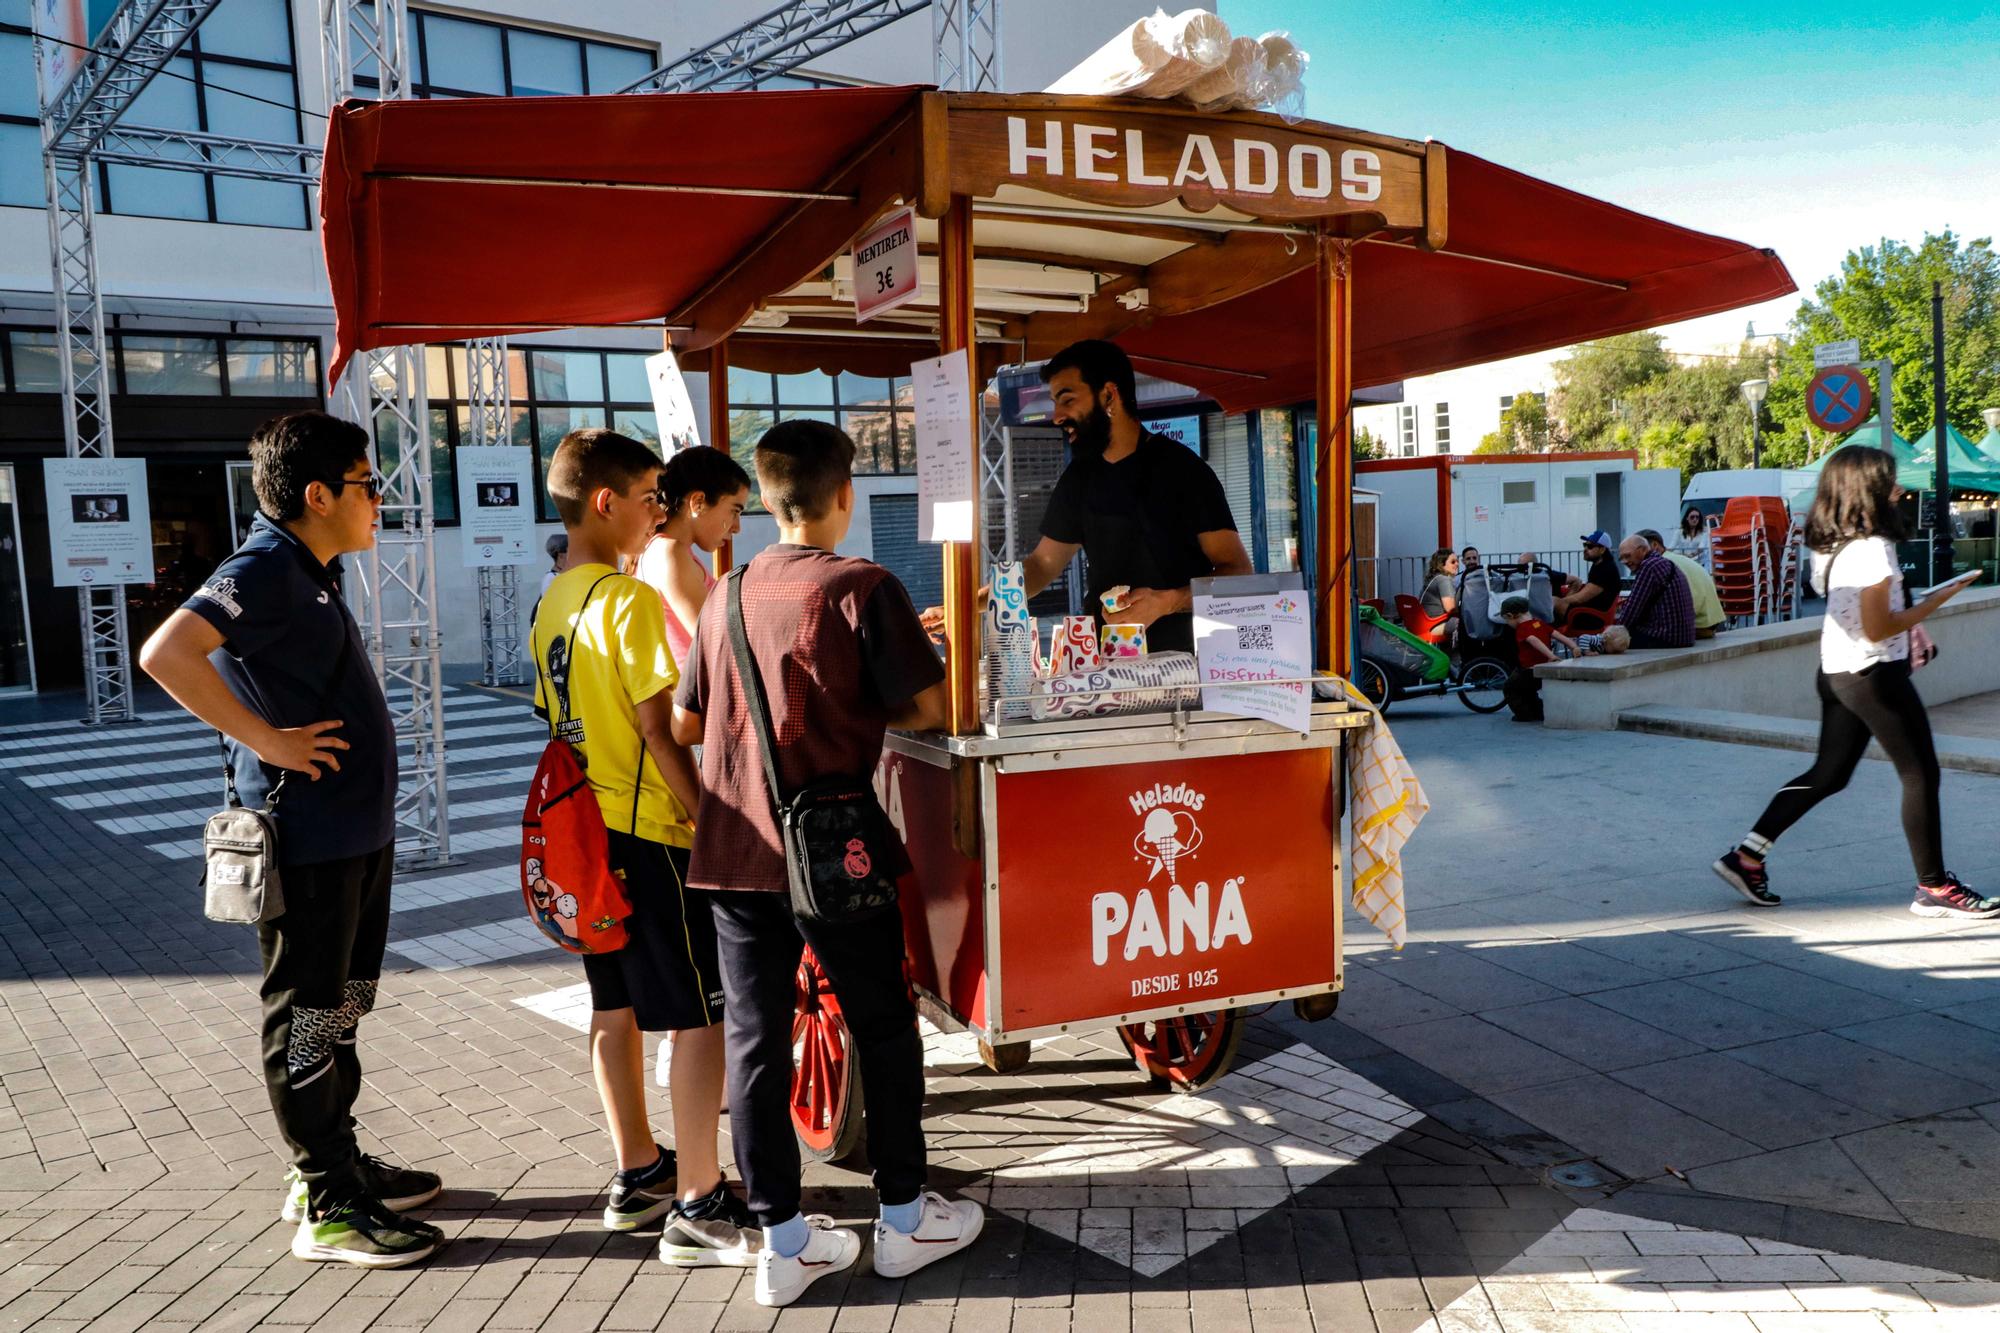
536, 649
752, 685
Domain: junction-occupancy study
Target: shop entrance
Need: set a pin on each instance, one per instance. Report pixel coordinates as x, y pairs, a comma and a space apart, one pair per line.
17, 638
193, 532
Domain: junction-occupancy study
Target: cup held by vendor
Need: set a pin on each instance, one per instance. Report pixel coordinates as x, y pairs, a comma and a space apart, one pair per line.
1145, 510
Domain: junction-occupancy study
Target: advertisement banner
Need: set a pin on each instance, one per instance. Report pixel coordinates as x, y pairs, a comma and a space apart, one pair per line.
672, 406
1155, 885
100, 521
1241, 640
496, 495
67, 30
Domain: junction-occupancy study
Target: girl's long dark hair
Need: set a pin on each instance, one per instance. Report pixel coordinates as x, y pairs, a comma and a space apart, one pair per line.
1438, 559
1692, 529
1853, 499
712, 472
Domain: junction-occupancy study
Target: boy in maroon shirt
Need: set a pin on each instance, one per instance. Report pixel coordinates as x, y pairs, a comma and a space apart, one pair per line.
842, 657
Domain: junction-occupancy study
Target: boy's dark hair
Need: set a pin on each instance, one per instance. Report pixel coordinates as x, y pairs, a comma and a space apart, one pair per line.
1099, 363
1516, 606
589, 460
291, 452
800, 467
712, 473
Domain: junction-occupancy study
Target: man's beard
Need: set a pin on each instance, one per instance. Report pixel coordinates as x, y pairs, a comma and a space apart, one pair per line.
1091, 431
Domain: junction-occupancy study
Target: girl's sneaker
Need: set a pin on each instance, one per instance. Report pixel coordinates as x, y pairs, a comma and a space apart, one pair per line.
1747, 877
638, 1197
714, 1231
1952, 898
830, 1249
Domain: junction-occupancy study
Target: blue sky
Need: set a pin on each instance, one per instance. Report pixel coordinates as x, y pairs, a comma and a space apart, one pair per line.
1809, 128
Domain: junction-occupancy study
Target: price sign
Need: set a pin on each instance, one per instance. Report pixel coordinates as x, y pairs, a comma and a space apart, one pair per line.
885, 265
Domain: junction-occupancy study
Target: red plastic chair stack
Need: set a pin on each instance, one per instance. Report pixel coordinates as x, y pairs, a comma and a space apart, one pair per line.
1747, 556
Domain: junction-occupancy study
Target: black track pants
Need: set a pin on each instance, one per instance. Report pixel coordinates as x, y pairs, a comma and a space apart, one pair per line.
1882, 703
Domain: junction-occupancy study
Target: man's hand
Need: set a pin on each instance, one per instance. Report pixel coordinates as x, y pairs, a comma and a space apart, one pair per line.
1143, 606
303, 749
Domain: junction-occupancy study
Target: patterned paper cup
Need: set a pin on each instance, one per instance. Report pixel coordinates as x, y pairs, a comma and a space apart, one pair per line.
1123, 641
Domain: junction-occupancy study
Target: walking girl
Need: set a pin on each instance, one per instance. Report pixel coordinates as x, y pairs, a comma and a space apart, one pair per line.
1869, 645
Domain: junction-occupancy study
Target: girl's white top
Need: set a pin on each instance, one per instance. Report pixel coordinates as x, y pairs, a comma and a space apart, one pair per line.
1862, 564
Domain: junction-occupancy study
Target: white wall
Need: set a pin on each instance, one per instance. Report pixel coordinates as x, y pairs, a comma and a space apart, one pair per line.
1472, 396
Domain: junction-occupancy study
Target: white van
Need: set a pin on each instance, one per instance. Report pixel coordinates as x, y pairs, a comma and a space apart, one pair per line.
1711, 492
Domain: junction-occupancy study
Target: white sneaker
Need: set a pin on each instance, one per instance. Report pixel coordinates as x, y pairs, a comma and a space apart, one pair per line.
948, 1226
829, 1249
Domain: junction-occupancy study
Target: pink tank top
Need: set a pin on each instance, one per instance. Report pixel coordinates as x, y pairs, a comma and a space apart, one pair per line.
652, 570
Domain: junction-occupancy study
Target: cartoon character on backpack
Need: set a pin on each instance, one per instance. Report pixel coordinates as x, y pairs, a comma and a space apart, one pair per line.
553, 908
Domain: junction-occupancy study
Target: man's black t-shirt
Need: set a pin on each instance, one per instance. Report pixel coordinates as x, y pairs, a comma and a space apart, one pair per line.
284, 632
1140, 521
1604, 574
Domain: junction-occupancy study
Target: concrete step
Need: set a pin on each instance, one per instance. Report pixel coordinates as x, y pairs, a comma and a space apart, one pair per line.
1967, 754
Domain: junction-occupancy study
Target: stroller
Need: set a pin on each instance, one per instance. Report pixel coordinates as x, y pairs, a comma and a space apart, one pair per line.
1395, 664
1482, 634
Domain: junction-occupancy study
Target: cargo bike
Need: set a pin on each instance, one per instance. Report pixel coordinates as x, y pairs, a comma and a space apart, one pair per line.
1162, 873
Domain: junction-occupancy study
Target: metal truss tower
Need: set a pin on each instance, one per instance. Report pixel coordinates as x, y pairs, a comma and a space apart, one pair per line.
491, 423
965, 36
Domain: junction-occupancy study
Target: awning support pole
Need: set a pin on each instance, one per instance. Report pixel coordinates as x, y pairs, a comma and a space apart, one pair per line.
961, 571
1333, 348
724, 558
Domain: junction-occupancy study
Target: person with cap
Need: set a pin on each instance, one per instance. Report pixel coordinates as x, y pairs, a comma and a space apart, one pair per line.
558, 548
1599, 589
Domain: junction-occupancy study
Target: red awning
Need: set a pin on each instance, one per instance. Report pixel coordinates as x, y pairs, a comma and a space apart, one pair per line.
1417, 313
436, 260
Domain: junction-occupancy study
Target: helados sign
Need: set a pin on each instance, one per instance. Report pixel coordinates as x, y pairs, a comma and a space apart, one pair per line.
1244, 165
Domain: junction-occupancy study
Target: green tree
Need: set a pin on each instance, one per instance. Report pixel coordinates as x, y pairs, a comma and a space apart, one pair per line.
1695, 411
1368, 445
1524, 428
1882, 297
1595, 379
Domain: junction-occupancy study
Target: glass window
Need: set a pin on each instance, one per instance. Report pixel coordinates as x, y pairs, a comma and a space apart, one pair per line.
567, 376
641, 426
250, 117
462, 56
181, 366
251, 29
746, 427
1517, 492
1281, 491
17, 75
616, 67
37, 367
874, 436
750, 386
863, 391
554, 423
1576, 488
268, 368
21, 164
541, 64
814, 388
626, 377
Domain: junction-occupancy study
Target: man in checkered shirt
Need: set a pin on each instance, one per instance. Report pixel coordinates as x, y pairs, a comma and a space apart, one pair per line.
1659, 611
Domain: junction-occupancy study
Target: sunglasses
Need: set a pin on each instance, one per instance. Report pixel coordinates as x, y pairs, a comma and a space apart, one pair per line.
373, 482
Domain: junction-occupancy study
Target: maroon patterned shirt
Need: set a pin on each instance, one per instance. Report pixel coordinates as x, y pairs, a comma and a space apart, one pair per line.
840, 648
1660, 608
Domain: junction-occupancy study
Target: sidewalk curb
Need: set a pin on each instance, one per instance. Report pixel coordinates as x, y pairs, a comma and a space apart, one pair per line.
1966, 754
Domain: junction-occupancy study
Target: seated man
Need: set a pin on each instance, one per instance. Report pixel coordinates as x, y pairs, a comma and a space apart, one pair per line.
1660, 608
1708, 616
1599, 589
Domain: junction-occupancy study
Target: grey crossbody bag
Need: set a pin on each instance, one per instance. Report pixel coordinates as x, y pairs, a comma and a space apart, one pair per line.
239, 844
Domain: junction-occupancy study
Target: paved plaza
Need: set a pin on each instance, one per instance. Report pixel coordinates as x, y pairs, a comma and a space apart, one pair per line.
1595, 1092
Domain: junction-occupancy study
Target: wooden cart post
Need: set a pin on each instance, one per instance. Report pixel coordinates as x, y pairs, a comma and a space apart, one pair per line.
1333, 475
961, 567
724, 558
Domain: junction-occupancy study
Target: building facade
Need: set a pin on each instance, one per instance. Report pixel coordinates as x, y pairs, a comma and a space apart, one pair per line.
1452, 412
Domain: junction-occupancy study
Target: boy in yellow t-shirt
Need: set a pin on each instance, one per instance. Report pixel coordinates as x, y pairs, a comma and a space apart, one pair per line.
604, 680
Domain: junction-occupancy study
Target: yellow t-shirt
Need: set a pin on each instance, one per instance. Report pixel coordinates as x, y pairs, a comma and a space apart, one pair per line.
600, 645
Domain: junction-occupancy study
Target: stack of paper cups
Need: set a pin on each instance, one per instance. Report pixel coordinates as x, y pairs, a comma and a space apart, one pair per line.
1010, 643
1123, 641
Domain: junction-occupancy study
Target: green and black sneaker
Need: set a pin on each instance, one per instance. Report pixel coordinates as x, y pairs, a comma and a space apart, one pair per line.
361, 1231
399, 1188
639, 1196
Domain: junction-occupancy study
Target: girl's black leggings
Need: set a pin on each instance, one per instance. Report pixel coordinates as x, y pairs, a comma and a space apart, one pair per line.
1881, 702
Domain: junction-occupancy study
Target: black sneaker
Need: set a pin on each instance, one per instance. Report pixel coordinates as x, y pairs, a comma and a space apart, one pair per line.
1747, 877
398, 1187
361, 1231
714, 1231
1952, 898
640, 1196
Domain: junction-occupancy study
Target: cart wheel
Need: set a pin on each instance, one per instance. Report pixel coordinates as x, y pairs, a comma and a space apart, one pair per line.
1186, 1053
826, 1077
1373, 682
1009, 1057
1316, 1008
1483, 687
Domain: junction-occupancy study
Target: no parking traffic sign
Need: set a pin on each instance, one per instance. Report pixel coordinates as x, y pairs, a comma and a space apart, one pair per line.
1838, 399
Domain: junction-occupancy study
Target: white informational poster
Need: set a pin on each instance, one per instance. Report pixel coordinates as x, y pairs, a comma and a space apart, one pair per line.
671, 404
946, 486
100, 521
496, 495
1241, 640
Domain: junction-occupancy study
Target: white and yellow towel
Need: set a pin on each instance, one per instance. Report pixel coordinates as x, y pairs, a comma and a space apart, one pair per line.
1386, 803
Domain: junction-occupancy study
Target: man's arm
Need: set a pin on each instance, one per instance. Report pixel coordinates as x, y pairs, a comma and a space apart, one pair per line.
1646, 588
926, 710
1043, 566
177, 657
686, 726
1539, 648
676, 765
1143, 606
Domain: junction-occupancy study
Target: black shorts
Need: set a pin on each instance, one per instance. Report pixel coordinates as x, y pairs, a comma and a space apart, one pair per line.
667, 972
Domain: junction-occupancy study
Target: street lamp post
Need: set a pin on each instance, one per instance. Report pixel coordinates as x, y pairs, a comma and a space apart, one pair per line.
1753, 394
1992, 415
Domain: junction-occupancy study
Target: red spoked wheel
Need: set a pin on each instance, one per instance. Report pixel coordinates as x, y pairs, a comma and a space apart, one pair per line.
1186, 1052
826, 1078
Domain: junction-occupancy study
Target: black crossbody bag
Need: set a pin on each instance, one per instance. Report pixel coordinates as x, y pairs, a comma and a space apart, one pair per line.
840, 852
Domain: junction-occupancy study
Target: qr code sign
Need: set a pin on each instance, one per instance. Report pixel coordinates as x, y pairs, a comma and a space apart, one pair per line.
1254, 638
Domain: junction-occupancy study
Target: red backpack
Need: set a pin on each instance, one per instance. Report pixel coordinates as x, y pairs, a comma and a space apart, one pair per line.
573, 895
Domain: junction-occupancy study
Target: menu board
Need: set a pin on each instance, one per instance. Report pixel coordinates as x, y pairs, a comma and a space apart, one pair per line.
1241, 640
495, 497
947, 489
100, 521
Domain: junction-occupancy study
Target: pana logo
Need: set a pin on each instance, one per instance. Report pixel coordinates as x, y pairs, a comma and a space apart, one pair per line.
1167, 839
222, 592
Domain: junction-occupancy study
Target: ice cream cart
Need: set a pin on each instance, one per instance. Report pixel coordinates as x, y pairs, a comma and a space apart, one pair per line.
1161, 872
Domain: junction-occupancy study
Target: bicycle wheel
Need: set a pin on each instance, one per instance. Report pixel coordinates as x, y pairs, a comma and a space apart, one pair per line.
1483, 686
1373, 682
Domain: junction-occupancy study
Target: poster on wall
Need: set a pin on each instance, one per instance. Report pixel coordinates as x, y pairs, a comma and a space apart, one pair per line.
946, 489
67, 38
100, 521
495, 505
671, 404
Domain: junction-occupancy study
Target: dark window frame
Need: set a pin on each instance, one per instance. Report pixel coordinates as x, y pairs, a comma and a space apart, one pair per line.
115, 348
421, 86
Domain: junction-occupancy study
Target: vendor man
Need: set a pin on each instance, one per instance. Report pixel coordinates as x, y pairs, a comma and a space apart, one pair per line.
1146, 511
1600, 587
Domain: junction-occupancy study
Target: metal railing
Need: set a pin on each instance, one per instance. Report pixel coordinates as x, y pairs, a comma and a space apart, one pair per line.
1388, 576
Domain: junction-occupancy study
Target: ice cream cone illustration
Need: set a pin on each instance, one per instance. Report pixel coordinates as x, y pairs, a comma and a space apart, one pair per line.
1165, 837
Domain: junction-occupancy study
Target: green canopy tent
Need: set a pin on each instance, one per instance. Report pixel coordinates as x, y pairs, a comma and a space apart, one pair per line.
1913, 469
1971, 470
